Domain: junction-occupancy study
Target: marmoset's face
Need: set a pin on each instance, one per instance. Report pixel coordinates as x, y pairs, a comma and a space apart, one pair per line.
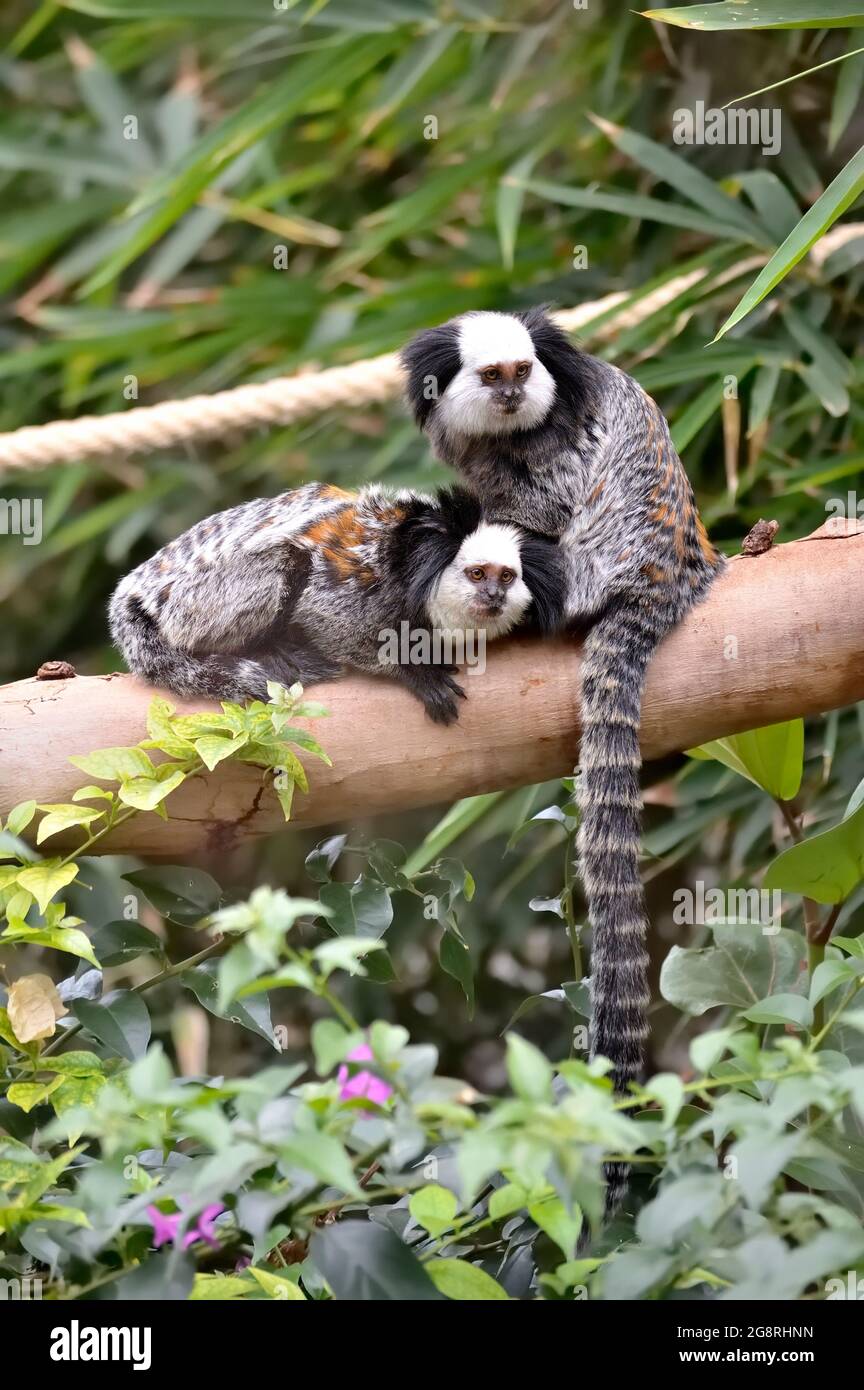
501, 386
483, 587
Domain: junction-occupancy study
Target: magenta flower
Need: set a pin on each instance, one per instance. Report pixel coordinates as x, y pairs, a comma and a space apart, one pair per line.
205, 1229
363, 1083
165, 1228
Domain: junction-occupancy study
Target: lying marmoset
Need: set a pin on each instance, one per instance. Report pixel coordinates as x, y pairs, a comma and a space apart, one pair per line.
301, 586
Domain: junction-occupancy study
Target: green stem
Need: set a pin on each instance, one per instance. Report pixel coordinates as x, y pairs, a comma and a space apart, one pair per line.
815, 957
167, 974
324, 992
569, 914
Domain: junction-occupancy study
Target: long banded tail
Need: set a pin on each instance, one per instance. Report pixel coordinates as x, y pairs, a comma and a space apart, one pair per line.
617, 651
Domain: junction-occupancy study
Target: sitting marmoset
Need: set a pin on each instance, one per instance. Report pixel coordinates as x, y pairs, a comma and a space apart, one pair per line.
302, 586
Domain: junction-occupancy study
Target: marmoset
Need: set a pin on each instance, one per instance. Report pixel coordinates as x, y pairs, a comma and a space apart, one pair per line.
550, 438
302, 586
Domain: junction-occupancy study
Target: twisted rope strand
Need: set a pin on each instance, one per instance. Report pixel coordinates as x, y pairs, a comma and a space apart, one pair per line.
284, 400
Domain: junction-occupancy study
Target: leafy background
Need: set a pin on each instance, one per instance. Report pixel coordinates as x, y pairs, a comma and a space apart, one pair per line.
152, 260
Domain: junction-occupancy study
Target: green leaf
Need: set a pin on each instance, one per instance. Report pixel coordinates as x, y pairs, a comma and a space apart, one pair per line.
20, 817
781, 1008
252, 1014
760, 1160
63, 817
182, 895
323, 858
92, 793
825, 867
77, 1063
77, 1092
278, 1286
345, 953
324, 1157
847, 95
708, 1048
114, 764
330, 1043
507, 1199
763, 14
464, 1282
163, 733
434, 1208
741, 967
635, 205
359, 909
364, 1262
529, 1072
120, 1020
830, 975
146, 793
455, 958
68, 939
771, 757
668, 1089
168, 195
560, 1225
212, 749
461, 816
508, 204
120, 941
684, 176
27, 1094
45, 879
219, 1288
840, 194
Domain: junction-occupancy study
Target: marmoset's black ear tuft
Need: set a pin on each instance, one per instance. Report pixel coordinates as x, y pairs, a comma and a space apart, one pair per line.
544, 574
570, 368
460, 511
431, 360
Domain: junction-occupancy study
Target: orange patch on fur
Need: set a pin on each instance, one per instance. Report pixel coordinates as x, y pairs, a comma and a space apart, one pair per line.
705, 545
597, 491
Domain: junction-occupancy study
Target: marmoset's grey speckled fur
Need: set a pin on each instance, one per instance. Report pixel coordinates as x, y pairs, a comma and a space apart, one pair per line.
550, 438
302, 586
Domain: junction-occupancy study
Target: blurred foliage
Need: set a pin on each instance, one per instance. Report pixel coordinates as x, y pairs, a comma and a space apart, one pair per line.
405, 160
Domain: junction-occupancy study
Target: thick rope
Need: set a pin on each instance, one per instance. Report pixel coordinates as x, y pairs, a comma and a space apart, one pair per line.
284, 400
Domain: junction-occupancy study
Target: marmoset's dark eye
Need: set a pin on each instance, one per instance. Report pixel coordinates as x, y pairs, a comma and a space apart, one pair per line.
523, 370
491, 374
476, 573
507, 576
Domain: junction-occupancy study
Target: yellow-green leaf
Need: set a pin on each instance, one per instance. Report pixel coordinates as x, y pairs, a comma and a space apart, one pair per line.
46, 879
434, 1208
772, 757
114, 764
276, 1285
64, 817
466, 1283
26, 1094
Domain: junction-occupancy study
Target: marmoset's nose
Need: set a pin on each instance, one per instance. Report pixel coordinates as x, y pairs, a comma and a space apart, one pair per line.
493, 596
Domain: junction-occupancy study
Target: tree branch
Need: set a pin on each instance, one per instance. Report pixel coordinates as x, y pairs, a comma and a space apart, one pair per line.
780, 635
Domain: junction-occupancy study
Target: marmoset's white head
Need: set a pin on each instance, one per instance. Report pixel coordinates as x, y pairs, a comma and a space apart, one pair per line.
481, 374
483, 587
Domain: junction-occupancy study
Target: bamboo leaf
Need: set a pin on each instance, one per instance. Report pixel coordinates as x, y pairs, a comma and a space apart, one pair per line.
838, 196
